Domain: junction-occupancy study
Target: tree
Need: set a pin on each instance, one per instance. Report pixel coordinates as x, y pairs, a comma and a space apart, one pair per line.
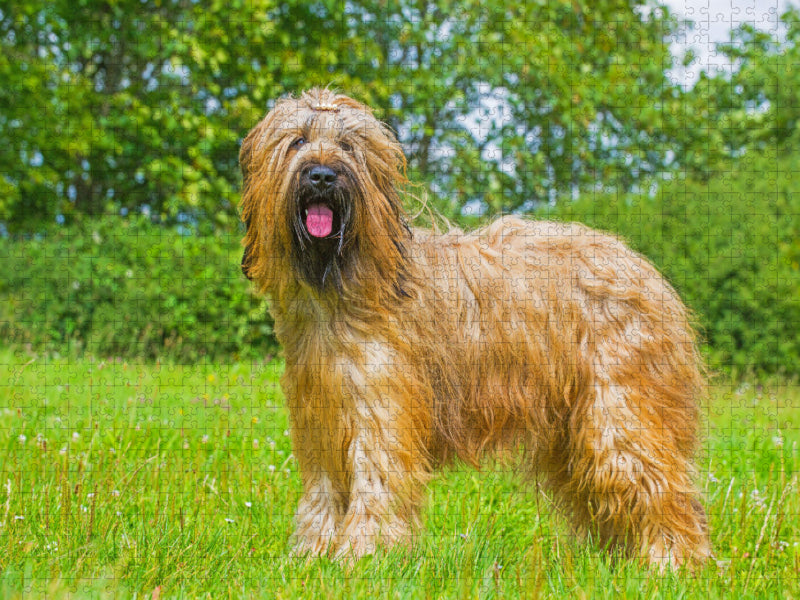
751, 108
759, 101
132, 105
140, 104
509, 105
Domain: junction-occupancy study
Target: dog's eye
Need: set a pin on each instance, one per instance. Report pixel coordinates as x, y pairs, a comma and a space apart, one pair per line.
346, 147
297, 143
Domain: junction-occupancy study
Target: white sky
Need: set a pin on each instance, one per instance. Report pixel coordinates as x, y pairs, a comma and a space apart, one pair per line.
713, 21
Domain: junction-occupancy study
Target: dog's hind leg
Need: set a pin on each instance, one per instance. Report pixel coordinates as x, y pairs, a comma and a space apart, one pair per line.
628, 480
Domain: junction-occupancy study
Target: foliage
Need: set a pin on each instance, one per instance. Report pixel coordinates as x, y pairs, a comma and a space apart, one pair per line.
136, 107
132, 105
123, 480
730, 247
755, 107
139, 104
123, 287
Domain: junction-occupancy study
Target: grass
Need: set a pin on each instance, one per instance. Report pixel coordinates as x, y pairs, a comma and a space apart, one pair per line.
121, 480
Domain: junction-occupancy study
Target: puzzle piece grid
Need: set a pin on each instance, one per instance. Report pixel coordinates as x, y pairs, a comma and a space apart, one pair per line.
155, 452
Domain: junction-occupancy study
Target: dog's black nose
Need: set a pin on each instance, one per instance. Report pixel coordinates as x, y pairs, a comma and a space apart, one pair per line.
321, 177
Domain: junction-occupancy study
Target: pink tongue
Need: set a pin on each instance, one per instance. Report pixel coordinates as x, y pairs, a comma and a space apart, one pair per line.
319, 220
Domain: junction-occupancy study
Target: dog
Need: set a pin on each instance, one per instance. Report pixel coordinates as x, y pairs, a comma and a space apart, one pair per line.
406, 348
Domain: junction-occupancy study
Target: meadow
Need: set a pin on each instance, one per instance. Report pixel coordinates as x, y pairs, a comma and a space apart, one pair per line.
151, 480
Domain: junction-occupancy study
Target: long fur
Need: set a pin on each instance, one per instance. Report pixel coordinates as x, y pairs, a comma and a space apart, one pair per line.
405, 348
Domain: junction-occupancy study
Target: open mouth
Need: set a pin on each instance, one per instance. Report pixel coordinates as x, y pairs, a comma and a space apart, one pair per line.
318, 220
322, 221
321, 226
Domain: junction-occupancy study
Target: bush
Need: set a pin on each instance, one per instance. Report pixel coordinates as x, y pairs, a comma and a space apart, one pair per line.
731, 247
124, 287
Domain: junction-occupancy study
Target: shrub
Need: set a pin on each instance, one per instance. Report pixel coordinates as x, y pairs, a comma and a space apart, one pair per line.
731, 247
124, 287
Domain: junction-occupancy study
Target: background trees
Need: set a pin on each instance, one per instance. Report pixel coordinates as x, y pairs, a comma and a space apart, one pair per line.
135, 109
139, 105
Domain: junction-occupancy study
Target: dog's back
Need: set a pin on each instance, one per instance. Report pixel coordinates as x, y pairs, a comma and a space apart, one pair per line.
536, 315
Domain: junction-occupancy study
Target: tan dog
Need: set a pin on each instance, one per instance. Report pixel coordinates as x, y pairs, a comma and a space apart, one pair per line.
405, 348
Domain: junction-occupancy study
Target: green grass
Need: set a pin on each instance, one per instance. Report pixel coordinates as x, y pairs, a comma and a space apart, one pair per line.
123, 480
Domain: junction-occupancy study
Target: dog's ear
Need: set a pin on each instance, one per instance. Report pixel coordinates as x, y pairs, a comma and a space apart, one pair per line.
245, 160
388, 167
247, 253
248, 148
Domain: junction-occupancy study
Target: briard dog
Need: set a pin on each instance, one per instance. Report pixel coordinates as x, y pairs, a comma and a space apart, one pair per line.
407, 347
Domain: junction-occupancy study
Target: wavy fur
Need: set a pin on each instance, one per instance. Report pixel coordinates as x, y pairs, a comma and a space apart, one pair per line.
418, 347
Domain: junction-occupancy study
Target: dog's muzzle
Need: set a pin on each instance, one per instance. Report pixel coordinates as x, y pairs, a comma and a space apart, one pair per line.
320, 202
319, 215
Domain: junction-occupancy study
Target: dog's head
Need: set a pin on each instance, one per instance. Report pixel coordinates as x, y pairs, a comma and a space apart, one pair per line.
320, 188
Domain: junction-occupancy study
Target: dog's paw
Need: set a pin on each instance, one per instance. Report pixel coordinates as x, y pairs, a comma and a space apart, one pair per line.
672, 557
359, 538
365, 535
311, 546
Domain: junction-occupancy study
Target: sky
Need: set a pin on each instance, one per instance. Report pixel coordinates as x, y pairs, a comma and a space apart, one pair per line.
713, 21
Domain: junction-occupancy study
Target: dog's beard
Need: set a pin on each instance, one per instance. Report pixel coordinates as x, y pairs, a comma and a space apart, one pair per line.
321, 231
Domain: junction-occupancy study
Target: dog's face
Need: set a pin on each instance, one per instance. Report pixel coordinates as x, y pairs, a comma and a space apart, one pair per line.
320, 175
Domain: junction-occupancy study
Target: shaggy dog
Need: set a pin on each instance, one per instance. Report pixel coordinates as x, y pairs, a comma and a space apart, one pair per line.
405, 348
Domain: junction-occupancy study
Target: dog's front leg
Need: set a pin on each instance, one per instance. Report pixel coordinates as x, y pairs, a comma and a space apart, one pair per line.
318, 514
383, 499
387, 460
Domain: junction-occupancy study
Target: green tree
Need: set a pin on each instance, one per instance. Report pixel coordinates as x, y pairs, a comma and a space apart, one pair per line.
129, 104
752, 108
513, 104
27, 102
